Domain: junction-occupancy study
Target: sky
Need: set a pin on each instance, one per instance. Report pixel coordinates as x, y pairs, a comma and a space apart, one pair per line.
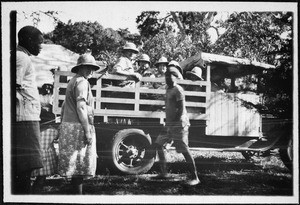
109, 15
121, 14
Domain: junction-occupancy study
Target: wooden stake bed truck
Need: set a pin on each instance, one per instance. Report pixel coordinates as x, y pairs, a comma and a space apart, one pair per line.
127, 120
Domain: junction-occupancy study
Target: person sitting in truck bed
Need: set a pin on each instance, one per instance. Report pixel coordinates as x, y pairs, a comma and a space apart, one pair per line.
144, 66
163, 86
194, 75
145, 70
124, 65
161, 70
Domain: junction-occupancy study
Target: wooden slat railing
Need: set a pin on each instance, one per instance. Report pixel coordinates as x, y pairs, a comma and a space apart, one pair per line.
144, 102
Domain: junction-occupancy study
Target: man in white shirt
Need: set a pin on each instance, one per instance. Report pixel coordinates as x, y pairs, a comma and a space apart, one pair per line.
26, 153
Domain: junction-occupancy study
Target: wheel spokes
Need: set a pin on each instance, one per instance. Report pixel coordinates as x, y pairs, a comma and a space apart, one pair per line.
127, 147
130, 153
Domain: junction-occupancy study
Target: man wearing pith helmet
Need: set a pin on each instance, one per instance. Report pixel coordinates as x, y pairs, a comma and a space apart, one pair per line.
175, 64
161, 65
144, 66
124, 64
194, 74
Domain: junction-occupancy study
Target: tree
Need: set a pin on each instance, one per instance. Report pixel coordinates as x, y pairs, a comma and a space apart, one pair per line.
80, 36
192, 26
264, 37
257, 36
178, 35
148, 23
36, 16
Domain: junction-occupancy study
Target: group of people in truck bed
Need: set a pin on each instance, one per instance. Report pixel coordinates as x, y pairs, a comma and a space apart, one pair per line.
125, 67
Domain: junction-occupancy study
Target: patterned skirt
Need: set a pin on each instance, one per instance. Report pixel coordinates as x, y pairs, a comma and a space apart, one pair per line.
47, 138
75, 157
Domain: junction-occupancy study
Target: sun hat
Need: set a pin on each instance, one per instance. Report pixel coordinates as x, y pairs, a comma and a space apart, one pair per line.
196, 71
162, 60
144, 58
130, 46
174, 71
176, 64
85, 60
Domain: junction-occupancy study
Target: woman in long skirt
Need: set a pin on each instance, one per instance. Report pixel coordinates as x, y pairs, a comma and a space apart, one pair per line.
77, 157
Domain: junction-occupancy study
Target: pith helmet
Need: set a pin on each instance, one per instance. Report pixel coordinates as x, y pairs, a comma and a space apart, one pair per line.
144, 57
130, 46
196, 71
174, 71
85, 60
162, 60
176, 64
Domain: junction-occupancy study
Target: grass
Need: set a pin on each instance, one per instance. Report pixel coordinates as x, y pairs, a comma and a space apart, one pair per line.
221, 173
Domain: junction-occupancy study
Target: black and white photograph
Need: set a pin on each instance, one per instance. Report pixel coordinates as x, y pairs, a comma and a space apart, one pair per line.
155, 102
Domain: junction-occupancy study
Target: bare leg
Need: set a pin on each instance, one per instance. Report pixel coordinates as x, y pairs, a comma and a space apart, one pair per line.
191, 163
38, 184
192, 167
77, 185
162, 160
21, 183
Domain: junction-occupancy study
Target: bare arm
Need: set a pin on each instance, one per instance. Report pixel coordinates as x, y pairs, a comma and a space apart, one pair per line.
179, 111
134, 76
82, 114
122, 67
62, 111
83, 118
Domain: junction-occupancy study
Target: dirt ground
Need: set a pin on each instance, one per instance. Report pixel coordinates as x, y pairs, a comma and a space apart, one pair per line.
220, 173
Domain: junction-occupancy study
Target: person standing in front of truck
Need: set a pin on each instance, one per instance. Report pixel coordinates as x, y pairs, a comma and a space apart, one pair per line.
177, 124
77, 157
25, 142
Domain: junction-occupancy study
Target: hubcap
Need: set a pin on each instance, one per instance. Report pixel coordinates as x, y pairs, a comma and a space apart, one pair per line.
132, 151
129, 155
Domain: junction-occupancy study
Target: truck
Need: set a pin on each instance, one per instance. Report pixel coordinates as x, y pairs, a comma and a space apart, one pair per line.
127, 120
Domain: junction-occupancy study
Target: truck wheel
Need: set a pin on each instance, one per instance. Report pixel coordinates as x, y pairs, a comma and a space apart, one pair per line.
248, 154
286, 154
129, 152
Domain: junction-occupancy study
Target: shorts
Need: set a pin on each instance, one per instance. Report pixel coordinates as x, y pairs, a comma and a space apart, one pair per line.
179, 136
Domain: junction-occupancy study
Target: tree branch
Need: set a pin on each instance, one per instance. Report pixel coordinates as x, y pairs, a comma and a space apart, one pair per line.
178, 22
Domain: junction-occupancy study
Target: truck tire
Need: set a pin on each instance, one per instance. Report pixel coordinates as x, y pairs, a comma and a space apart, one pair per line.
128, 152
286, 154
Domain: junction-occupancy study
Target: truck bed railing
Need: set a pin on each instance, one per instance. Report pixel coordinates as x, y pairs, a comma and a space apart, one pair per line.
138, 101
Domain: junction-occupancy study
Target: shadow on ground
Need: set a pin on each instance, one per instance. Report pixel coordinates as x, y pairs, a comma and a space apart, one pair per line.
219, 176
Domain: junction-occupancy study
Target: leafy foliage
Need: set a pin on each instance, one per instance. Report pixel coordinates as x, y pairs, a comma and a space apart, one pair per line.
264, 37
258, 36
161, 37
148, 23
82, 36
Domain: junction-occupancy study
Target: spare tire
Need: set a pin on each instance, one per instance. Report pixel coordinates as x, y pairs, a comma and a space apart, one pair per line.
128, 152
